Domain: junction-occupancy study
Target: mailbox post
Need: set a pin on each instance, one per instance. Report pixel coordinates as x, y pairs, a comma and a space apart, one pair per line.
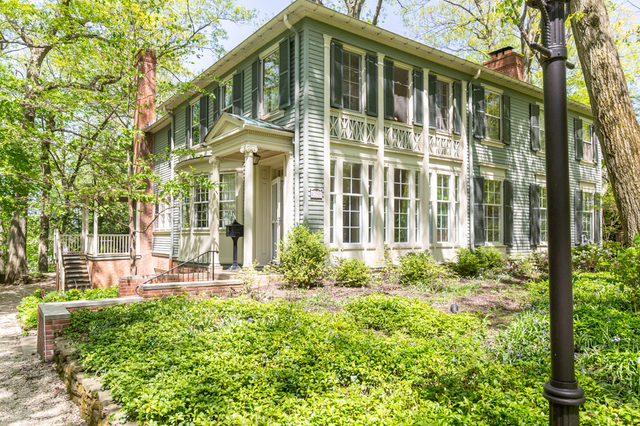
235, 231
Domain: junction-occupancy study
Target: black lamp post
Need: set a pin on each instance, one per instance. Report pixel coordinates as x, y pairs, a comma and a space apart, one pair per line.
562, 390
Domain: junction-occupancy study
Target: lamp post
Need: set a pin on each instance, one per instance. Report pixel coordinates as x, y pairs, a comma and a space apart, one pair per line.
562, 390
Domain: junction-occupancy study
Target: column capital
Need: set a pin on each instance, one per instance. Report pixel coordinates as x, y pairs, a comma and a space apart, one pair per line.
249, 150
214, 160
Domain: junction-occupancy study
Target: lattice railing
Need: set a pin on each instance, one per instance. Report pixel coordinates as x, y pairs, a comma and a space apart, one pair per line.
445, 146
352, 127
403, 136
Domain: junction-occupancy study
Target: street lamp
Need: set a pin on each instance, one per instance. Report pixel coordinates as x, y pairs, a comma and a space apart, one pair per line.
562, 390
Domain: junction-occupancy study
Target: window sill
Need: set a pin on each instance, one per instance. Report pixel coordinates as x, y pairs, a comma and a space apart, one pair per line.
541, 154
587, 163
274, 115
495, 245
201, 230
492, 142
164, 231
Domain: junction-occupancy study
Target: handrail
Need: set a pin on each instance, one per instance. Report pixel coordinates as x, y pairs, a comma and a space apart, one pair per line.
57, 248
198, 268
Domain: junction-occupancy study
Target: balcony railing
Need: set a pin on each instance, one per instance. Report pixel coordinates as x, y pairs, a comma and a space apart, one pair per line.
348, 126
402, 136
445, 146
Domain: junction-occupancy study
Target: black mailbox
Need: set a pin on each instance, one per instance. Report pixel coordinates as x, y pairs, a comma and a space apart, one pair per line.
235, 230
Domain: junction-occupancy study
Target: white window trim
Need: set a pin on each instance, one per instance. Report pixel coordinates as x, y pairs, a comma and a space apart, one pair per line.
495, 172
277, 113
217, 195
449, 82
363, 80
453, 229
589, 123
497, 143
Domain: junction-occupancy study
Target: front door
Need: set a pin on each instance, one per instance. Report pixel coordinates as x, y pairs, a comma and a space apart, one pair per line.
276, 216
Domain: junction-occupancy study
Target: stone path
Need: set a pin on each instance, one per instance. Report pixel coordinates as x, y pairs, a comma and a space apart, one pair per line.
31, 393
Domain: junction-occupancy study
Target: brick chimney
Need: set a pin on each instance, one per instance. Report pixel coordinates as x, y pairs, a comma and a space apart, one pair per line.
507, 62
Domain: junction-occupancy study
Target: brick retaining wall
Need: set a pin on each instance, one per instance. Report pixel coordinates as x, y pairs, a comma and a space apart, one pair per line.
127, 287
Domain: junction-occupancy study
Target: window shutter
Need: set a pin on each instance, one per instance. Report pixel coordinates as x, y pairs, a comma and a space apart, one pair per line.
372, 85
577, 205
389, 104
506, 119
597, 217
336, 75
255, 72
169, 134
285, 81
508, 212
596, 144
172, 132
577, 133
478, 211
204, 117
457, 108
433, 84
534, 126
478, 112
187, 125
534, 214
216, 104
238, 89
418, 89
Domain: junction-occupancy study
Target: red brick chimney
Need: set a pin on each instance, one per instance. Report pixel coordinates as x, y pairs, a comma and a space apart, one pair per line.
507, 62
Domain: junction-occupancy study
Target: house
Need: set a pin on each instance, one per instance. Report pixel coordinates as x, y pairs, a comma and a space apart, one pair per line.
374, 139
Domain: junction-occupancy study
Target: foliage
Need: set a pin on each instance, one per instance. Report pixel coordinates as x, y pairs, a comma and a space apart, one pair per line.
420, 268
352, 272
28, 307
628, 270
540, 260
594, 257
520, 266
303, 256
474, 262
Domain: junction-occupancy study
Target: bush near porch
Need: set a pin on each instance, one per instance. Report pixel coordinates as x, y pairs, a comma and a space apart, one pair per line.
382, 360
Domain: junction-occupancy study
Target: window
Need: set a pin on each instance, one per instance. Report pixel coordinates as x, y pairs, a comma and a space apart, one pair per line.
227, 199
163, 214
195, 123
370, 193
270, 81
200, 207
401, 204
542, 136
443, 211
227, 98
492, 210
416, 184
332, 202
401, 94
587, 217
492, 114
351, 81
351, 202
442, 106
186, 212
587, 143
386, 204
456, 200
544, 232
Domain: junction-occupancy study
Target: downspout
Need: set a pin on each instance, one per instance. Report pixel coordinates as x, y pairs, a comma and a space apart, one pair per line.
470, 181
172, 174
296, 124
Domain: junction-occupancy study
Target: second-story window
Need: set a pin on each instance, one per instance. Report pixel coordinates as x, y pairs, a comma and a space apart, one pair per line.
401, 94
492, 114
195, 124
586, 142
442, 106
270, 80
351, 81
227, 98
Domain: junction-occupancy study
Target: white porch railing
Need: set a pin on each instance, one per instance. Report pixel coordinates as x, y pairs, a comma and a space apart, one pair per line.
70, 243
57, 255
403, 136
113, 244
348, 126
445, 146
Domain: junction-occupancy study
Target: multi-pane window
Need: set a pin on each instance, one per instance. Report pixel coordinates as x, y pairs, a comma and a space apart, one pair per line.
492, 210
332, 201
227, 192
370, 193
492, 114
401, 94
587, 143
186, 212
442, 106
270, 81
587, 217
200, 207
443, 208
401, 205
542, 134
226, 93
163, 213
544, 222
351, 80
351, 202
195, 123
456, 200
416, 185
386, 204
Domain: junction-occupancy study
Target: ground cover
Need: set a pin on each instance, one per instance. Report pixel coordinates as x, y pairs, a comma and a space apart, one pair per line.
369, 358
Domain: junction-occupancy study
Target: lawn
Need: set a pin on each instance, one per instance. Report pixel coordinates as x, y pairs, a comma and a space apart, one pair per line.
365, 359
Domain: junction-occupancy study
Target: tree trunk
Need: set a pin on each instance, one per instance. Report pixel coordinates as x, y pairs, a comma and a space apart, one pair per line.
43, 239
613, 112
3, 243
17, 263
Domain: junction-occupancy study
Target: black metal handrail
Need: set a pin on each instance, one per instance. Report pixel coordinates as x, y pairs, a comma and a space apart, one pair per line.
199, 268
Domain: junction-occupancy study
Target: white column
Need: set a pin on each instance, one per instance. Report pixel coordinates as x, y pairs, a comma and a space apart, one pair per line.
463, 215
94, 249
287, 194
327, 138
214, 212
248, 150
378, 169
425, 224
85, 230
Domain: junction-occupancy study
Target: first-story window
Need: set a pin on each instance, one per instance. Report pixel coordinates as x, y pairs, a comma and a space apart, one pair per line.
493, 114
186, 212
443, 210
163, 214
386, 204
332, 201
587, 217
270, 82
227, 199
416, 184
200, 207
542, 133
371, 205
401, 205
544, 233
351, 202
492, 210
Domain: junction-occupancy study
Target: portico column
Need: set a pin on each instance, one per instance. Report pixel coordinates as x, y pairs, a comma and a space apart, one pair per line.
287, 195
214, 213
248, 151
85, 230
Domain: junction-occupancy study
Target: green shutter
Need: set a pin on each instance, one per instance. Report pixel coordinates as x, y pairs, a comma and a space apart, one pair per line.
215, 102
238, 89
478, 211
371, 108
597, 218
457, 108
577, 206
534, 214
577, 134
508, 212
204, 117
187, 125
478, 112
255, 72
336, 75
534, 126
418, 89
389, 103
506, 119
172, 131
284, 83
433, 84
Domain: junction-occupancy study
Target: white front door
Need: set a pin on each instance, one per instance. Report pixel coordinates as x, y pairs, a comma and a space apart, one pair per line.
276, 216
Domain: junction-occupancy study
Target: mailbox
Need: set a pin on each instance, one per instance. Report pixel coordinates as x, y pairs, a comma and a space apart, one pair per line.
235, 230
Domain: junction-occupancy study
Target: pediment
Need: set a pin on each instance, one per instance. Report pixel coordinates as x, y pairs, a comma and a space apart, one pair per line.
227, 124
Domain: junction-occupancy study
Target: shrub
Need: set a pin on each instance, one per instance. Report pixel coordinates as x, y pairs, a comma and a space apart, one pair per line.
352, 272
540, 260
628, 270
303, 256
421, 268
594, 257
471, 263
520, 266
28, 307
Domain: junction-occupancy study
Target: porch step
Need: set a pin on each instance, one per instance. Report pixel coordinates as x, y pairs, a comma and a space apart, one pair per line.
76, 272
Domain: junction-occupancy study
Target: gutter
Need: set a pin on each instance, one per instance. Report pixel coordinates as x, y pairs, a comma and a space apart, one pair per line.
296, 125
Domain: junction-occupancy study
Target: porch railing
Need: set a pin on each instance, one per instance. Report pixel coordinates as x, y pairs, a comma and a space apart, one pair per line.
402, 136
71, 243
445, 146
199, 268
113, 244
352, 127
